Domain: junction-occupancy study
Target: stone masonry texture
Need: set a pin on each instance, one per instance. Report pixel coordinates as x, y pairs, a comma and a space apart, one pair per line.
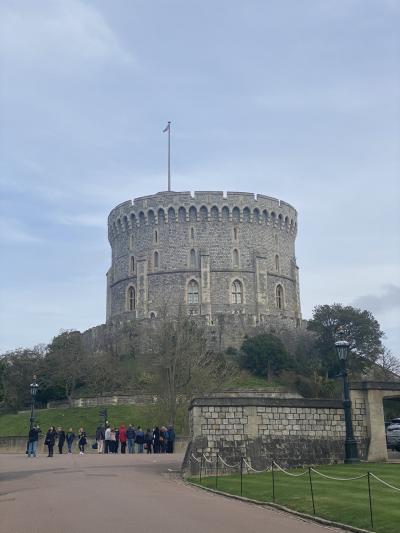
291, 431
165, 242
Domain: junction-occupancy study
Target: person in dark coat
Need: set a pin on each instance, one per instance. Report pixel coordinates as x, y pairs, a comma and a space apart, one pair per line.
163, 439
130, 435
156, 440
116, 445
50, 440
148, 440
61, 439
70, 437
139, 439
171, 440
82, 441
100, 435
33, 439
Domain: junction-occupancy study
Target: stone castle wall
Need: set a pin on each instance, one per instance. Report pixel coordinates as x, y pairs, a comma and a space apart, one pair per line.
291, 431
162, 243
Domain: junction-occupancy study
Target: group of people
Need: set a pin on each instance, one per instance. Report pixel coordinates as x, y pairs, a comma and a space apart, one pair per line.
108, 440
52, 436
135, 440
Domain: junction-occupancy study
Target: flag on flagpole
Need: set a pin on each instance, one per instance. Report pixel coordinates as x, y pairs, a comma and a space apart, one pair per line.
167, 127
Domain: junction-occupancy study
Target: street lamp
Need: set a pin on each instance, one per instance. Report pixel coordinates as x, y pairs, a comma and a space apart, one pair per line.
350, 445
34, 388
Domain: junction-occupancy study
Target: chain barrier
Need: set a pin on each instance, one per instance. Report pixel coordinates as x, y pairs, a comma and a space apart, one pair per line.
254, 470
338, 478
243, 461
384, 482
289, 473
226, 464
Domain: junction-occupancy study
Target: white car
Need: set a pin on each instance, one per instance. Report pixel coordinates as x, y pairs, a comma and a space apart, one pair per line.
393, 434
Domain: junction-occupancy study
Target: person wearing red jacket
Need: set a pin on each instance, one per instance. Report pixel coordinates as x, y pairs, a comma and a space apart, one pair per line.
122, 437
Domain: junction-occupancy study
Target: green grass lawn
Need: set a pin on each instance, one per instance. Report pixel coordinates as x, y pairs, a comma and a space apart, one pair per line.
88, 418
341, 501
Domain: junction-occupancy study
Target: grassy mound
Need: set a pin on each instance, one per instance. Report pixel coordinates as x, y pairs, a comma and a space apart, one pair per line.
88, 418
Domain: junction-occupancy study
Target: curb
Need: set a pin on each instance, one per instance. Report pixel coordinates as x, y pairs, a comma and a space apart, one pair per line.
304, 516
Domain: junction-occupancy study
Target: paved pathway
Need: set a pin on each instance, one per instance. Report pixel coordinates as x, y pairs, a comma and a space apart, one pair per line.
121, 494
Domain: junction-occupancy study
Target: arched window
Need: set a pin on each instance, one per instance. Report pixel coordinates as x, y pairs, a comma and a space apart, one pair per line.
236, 214
193, 292
131, 299
151, 217
155, 236
182, 214
152, 315
279, 296
192, 214
132, 266
192, 258
235, 233
171, 215
237, 292
203, 213
156, 260
277, 262
235, 258
192, 233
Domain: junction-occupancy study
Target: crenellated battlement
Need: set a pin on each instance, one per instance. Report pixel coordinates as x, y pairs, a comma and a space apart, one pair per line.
201, 206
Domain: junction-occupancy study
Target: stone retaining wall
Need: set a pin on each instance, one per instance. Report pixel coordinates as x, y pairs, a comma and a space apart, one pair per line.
97, 401
288, 430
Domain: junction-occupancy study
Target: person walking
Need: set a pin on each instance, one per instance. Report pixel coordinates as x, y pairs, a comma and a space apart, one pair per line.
82, 441
61, 439
122, 437
50, 440
107, 440
139, 439
171, 439
148, 440
130, 435
33, 439
100, 435
70, 437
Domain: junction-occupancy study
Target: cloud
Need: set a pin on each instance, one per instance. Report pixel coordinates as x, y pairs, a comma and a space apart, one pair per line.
52, 35
87, 220
12, 232
388, 300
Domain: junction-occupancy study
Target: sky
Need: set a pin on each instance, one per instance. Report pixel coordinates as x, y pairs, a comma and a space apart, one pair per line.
296, 99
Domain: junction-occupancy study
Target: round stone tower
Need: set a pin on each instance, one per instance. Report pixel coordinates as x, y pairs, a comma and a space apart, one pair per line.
210, 253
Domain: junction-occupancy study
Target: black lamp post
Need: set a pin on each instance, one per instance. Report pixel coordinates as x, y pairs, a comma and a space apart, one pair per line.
34, 388
350, 445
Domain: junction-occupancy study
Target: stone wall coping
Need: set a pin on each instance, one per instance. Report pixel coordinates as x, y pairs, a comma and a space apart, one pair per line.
375, 385
252, 401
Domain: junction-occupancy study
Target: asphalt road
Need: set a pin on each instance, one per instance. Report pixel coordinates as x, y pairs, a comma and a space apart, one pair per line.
123, 493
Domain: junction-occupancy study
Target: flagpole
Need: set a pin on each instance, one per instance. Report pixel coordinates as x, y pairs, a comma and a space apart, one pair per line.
169, 156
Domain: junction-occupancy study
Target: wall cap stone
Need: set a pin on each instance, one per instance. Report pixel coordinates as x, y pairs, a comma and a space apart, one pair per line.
251, 401
375, 385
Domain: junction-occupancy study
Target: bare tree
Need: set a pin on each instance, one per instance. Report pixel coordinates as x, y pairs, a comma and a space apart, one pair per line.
184, 366
389, 365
